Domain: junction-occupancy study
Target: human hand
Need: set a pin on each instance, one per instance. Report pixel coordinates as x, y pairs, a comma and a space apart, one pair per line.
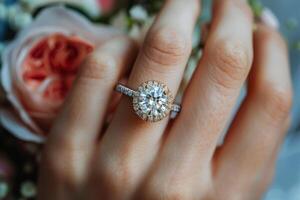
180, 159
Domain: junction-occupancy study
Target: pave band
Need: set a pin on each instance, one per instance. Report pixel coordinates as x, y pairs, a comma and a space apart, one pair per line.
152, 101
125, 90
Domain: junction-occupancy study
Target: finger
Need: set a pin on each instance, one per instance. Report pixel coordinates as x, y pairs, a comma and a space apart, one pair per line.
89, 100
210, 96
257, 130
163, 57
76, 130
267, 175
265, 178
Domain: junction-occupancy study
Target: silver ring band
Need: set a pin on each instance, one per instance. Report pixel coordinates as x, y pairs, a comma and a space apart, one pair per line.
125, 90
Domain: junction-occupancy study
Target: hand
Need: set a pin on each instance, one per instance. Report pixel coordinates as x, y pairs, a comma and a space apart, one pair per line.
134, 159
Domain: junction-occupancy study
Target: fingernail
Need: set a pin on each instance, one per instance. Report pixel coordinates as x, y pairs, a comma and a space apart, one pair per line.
269, 18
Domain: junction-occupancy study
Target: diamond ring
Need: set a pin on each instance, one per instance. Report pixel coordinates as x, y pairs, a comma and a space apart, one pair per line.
152, 101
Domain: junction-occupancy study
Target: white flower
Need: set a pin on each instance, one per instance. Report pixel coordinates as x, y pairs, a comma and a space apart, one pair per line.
12, 11
20, 20
138, 13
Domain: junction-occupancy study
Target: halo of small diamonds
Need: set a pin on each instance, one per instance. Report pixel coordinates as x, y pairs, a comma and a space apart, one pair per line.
152, 101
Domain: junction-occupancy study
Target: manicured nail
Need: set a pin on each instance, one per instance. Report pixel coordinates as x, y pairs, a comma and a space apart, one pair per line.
269, 18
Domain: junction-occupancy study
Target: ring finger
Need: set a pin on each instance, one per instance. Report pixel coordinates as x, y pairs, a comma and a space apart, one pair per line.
163, 57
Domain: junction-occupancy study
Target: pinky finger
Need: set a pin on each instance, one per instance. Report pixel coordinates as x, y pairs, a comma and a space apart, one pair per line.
267, 176
256, 131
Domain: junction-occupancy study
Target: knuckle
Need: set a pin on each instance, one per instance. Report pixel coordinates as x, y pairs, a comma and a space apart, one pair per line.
271, 36
99, 66
230, 63
242, 6
166, 46
277, 101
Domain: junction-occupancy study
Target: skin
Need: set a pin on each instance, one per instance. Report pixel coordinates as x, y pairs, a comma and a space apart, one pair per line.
134, 159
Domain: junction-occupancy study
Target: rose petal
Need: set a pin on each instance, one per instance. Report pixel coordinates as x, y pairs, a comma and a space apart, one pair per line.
60, 58
23, 121
59, 17
13, 124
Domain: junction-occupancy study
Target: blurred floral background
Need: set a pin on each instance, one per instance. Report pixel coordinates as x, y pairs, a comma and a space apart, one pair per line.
25, 124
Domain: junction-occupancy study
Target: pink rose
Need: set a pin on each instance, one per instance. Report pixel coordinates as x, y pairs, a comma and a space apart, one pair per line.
39, 68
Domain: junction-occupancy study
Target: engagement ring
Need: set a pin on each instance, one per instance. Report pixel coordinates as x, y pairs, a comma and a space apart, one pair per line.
152, 101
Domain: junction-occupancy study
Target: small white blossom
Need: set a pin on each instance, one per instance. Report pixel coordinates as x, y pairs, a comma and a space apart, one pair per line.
4, 189
17, 18
28, 189
138, 13
12, 12
21, 20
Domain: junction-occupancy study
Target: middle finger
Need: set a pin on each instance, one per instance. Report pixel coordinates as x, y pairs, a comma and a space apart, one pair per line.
208, 101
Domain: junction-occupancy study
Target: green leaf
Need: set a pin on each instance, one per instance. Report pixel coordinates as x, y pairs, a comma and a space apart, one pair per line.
257, 7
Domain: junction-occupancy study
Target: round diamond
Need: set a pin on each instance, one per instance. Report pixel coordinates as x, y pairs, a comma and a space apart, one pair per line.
152, 101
